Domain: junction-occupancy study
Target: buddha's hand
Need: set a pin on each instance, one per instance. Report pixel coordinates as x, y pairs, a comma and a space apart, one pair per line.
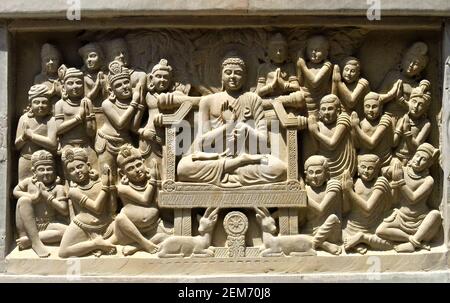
354, 119
347, 181
227, 112
313, 125
336, 74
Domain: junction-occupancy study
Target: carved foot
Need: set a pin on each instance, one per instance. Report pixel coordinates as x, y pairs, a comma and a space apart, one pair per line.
361, 249
404, 248
105, 246
129, 250
331, 248
40, 250
23, 243
351, 241
269, 253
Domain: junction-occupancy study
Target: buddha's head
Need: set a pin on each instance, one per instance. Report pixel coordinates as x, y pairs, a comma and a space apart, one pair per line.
233, 72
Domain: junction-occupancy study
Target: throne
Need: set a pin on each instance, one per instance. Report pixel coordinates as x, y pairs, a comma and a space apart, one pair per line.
287, 196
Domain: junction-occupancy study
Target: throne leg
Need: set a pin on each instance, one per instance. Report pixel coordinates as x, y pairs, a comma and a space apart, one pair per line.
288, 221
182, 222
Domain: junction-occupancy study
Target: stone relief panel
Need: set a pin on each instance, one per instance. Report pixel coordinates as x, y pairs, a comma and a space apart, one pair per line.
227, 143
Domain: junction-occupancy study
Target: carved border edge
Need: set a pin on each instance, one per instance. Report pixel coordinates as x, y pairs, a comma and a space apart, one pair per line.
6, 97
445, 129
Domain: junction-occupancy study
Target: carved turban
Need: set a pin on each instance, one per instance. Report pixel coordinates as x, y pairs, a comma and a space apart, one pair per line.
77, 153
41, 157
127, 154
117, 71
37, 90
71, 72
429, 149
162, 65
91, 48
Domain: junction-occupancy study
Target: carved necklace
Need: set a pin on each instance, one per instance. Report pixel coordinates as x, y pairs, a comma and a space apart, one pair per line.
72, 103
87, 186
49, 188
121, 105
138, 187
413, 175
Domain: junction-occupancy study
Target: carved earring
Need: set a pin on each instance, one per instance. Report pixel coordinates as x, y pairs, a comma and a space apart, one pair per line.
124, 180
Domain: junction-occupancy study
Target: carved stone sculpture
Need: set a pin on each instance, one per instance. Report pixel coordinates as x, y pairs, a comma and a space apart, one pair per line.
229, 166
412, 64
350, 87
40, 200
138, 219
95, 82
370, 199
94, 204
275, 246
324, 205
315, 73
413, 129
74, 114
36, 129
196, 246
375, 133
123, 110
51, 60
333, 136
412, 224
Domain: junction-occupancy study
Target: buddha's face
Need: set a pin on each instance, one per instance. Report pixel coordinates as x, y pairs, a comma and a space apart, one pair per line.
78, 171
233, 77
372, 109
367, 170
420, 161
328, 112
316, 175
50, 63
417, 107
161, 80
135, 171
350, 73
45, 173
92, 61
74, 87
277, 52
122, 88
412, 66
316, 51
40, 106
120, 54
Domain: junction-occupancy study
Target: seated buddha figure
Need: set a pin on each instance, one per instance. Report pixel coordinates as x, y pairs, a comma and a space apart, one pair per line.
229, 150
